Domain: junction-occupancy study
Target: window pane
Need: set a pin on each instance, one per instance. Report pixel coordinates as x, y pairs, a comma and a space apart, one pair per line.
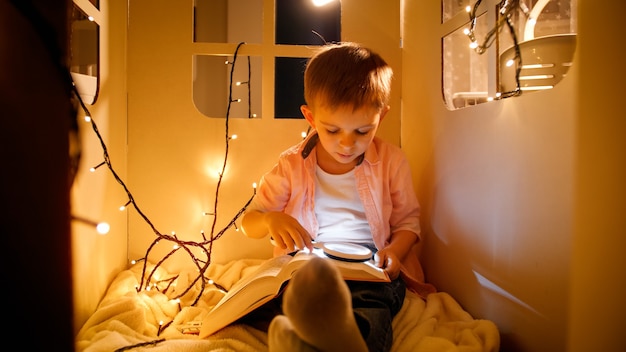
211, 86
298, 20
546, 46
452, 7
289, 88
465, 74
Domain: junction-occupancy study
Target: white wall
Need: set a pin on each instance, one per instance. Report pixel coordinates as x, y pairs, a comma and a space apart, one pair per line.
500, 184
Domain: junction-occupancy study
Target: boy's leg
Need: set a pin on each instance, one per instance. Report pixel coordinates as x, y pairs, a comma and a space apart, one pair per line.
375, 305
318, 305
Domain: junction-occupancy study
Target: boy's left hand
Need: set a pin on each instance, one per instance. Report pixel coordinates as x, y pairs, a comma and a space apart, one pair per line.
388, 260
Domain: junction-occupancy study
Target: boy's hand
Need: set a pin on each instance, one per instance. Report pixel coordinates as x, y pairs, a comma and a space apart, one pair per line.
388, 260
287, 232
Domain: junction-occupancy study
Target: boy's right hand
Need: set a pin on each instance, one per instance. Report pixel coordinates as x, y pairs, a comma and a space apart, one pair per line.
286, 231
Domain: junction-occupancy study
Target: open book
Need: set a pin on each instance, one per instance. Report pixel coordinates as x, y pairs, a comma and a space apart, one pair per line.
265, 283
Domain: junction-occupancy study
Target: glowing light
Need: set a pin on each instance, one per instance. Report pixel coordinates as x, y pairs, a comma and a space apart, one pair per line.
103, 228
525, 67
473, 45
468, 9
87, 118
124, 206
93, 169
303, 134
536, 77
466, 31
319, 3
537, 88
254, 185
510, 63
90, 18
234, 136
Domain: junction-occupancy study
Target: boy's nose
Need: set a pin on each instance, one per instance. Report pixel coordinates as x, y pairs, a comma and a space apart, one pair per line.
346, 141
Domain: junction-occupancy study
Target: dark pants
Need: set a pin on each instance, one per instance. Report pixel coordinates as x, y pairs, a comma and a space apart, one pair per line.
375, 304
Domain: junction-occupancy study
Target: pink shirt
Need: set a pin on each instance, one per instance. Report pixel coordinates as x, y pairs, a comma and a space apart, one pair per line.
384, 185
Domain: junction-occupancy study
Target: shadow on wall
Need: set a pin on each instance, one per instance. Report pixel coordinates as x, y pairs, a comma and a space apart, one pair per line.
456, 262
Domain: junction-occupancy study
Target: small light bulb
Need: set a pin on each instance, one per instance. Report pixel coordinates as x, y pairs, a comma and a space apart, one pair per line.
124, 206
103, 228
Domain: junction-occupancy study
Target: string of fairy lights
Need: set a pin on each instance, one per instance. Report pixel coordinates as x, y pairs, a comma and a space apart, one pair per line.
506, 10
204, 247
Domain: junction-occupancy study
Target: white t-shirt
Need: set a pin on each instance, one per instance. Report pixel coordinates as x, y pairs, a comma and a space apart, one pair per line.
339, 210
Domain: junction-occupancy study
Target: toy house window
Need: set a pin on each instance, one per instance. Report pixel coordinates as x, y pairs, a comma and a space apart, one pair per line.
493, 49
84, 53
279, 36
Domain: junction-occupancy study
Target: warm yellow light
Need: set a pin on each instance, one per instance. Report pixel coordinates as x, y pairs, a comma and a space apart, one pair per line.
531, 77
537, 88
103, 228
319, 3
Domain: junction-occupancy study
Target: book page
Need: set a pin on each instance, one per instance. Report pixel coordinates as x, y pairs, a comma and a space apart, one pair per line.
269, 269
362, 271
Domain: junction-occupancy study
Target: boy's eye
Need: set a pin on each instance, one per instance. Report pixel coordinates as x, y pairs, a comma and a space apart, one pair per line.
332, 131
363, 133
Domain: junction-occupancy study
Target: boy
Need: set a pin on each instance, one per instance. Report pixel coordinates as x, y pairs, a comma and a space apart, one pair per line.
341, 184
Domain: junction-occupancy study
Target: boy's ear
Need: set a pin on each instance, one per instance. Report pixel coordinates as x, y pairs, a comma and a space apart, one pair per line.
384, 112
308, 115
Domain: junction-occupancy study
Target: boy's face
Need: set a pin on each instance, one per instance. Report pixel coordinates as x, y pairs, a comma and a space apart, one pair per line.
344, 134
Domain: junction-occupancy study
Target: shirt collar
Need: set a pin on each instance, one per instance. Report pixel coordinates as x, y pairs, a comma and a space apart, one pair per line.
308, 145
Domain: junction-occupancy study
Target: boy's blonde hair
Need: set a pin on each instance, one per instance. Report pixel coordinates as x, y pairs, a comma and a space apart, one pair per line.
347, 74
